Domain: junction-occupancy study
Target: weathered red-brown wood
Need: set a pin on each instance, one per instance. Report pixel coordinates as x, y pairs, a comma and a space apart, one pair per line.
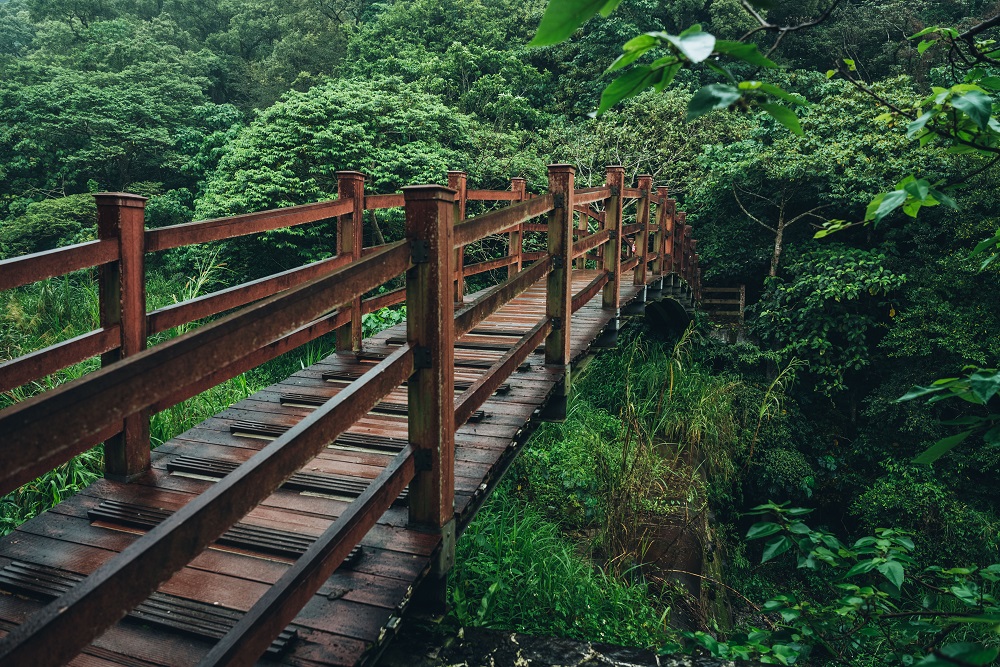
122, 290
459, 181
430, 214
559, 296
190, 233
48, 360
515, 238
19, 271
645, 183
350, 240
613, 250
496, 222
239, 295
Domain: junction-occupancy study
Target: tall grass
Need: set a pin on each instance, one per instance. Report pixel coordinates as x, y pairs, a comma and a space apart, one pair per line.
515, 571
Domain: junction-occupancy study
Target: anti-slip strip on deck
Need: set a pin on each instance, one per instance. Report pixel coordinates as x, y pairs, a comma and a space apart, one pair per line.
242, 535
459, 363
468, 345
382, 407
189, 616
301, 481
349, 376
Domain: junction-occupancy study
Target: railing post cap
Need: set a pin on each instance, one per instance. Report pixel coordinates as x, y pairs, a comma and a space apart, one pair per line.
560, 167
518, 178
644, 177
457, 172
126, 199
662, 191
429, 192
615, 167
347, 174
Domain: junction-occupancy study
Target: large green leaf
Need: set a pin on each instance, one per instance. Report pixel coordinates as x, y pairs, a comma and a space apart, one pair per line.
627, 85
775, 548
971, 654
978, 106
763, 529
562, 17
893, 571
941, 447
696, 46
785, 116
710, 97
748, 53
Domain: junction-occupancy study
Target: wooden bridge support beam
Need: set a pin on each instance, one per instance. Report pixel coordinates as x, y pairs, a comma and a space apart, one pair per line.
350, 240
122, 283
430, 326
515, 242
458, 181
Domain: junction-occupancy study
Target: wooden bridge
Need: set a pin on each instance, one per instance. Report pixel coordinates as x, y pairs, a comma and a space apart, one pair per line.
295, 527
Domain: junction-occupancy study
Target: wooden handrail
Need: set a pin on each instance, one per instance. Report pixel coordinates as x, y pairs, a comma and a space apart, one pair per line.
40, 363
239, 295
50, 263
53, 427
583, 246
203, 231
473, 398
377, 202
582, 196
497, 222
493, 195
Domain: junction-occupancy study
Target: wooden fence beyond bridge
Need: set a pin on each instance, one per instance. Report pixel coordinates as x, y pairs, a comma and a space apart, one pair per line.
294, 527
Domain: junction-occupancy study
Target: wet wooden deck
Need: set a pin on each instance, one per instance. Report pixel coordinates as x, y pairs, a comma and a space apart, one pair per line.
358, 609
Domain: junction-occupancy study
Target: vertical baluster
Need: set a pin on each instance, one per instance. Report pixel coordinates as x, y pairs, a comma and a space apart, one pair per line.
613, 248
123, 302
430, 321
515, 243
458, 181
350, 240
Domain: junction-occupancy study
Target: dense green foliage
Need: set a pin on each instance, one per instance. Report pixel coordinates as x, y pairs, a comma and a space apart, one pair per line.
216, 107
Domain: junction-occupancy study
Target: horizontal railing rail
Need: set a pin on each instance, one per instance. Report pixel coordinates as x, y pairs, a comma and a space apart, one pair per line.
89, 405
207, 305
218, 229
51, 263
497, 222
54, 358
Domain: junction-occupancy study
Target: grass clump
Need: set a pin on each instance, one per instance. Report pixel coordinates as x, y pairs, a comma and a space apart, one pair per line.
515, 571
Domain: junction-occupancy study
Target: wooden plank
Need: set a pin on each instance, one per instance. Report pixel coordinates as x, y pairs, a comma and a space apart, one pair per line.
28, 269
496, 222
41, 363
190, 233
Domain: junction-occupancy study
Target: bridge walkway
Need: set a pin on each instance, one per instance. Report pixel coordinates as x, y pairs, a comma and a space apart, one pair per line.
358, 609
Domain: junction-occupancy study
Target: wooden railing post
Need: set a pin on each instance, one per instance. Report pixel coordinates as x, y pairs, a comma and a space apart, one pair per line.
515, 244
660, 235
645, 183
559, 283
679, 242
458, 181
121, 216
430, 326
350, 240
613, 249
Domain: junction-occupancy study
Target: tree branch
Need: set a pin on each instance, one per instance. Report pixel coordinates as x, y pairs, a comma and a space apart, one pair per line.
751, 215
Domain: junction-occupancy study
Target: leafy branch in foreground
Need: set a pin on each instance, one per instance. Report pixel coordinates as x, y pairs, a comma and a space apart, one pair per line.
692, 46
870, 603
